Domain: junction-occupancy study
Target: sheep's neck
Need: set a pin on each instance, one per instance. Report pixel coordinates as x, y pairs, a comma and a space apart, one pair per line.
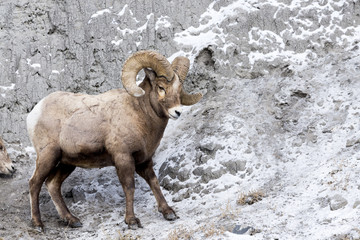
153, 125
158, 123
147, 106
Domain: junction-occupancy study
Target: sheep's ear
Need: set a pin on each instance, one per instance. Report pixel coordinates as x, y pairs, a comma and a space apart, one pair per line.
150, 74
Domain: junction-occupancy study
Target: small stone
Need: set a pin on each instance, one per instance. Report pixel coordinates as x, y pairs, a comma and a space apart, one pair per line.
242, 230
207, 147
337, 202
199, 171
234, 166
78, 194
99, 197
352, 142
183, 174
356, 204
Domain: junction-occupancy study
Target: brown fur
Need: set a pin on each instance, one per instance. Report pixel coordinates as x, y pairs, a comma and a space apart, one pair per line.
6, 166
110, 129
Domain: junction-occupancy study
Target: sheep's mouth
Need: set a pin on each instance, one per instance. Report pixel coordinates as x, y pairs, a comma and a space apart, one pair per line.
173, 117
8, 173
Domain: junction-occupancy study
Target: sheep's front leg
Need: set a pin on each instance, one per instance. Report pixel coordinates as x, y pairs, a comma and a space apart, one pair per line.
146, 171
125, 169
45, 162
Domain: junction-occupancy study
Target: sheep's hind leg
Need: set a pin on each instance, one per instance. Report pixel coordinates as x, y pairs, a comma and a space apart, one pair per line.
53, 183
146, 171
45, 162
125, 170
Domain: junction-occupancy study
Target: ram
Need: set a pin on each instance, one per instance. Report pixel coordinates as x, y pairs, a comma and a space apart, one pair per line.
6, 165
117, 128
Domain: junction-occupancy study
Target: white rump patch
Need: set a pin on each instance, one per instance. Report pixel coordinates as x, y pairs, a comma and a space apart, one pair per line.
33, 118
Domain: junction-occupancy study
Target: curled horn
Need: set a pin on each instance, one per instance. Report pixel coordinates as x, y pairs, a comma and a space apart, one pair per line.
181, 65
140, 60
189, 99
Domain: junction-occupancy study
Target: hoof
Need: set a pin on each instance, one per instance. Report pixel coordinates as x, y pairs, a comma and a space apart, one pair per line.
170, 216
134, 223
133, 226
37, 228
77, 224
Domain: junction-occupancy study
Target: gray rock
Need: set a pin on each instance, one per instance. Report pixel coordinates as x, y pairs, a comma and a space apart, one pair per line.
78, 194
235, 166
244, 230
337, 202
352, 142
356, 204
99, 197
183, 174
208, 147
199, 171
182, 196
209, 174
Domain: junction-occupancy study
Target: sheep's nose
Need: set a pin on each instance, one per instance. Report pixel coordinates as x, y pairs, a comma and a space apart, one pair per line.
175, 112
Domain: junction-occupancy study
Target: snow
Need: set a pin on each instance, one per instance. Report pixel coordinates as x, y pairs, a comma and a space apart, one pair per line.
30, 150
117, 42
6, 88
144, 27
34, 65
163, 21
100, 12
122, 12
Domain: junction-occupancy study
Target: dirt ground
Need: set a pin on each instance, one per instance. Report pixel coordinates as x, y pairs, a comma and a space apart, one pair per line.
15, 205
14, 200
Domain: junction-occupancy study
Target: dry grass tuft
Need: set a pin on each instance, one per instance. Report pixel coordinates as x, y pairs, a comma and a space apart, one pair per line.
206, 230
229, 212
251, 197
211, 230
181, 233
127, 236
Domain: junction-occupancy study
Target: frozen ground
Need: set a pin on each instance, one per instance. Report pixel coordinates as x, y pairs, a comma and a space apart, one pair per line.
284, 123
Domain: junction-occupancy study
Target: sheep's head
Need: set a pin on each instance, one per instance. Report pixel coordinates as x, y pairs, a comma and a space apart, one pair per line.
167, 94
6, 166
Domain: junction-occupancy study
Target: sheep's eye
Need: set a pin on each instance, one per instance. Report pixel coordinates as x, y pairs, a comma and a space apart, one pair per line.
1, 147
162, 89
161, 92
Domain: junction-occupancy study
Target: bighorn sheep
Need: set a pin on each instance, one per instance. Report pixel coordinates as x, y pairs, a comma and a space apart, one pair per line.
6, 166
117, 128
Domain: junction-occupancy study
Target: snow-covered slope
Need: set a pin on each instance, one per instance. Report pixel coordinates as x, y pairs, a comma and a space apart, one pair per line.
295, 139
